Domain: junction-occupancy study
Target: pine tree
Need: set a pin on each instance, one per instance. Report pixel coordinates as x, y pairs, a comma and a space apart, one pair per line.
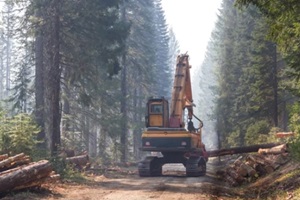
163, 68
247, 76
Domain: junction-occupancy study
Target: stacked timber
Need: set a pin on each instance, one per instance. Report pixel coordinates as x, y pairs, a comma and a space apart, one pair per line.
248, 168
18, 172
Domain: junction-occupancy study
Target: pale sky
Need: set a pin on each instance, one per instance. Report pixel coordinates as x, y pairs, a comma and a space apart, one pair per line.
192, 22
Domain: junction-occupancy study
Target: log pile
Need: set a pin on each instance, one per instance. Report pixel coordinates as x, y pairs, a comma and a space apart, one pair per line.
248, 168
18, 172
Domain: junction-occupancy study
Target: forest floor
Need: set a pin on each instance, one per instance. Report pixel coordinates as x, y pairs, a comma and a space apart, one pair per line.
123, 183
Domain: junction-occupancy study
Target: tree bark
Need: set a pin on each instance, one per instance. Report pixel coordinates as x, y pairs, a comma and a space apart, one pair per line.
39, 181
39, 77
8, 162
238, 150
8, 50
275, 87
66, 102
285, 134
274, 150
25, 175
52, 86
79, 161
4, 156
123, 138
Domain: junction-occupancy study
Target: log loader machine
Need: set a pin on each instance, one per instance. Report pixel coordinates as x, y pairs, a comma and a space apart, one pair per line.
166, 133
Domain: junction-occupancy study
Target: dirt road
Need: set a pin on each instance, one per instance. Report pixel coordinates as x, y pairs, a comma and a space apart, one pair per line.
173, 185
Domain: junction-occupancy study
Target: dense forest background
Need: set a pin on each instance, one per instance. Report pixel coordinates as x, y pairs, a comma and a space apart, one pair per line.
83, 71
250, 75
77, 74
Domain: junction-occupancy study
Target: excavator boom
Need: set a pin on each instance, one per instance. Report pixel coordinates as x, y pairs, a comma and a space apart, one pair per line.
182, 92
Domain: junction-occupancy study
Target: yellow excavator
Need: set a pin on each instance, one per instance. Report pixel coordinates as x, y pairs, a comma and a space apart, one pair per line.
168, 133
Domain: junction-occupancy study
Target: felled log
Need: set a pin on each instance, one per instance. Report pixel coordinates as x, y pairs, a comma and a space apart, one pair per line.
257, 158
37, 182
274, 150
66, 153
4, 156
238, 161
24, 176
276, 160
246, 170
279, 159
263, 165
79, 161
284, 134
231, 181
14, 167
232, 172
11, 161
238, 150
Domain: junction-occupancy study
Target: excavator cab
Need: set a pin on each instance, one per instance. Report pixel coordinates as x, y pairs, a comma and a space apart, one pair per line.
157, 112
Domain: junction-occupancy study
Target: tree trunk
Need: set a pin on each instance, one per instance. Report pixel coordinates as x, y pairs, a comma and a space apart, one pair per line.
274, 150
86, 130
102, 143
8, 51
25, 175
93, 142
39, 79
123, 139
238, 150
66, 102
39, 181
52, 86
79, 161
4, 156
136, 137
1, 76
8, 162
275, 87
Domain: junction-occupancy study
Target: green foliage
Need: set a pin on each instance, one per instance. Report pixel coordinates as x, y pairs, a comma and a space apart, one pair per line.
283, 20
94, 36
295, 117
18, 134
258, 133
294, 146
66, 171
21, 91
247, 69
232, 140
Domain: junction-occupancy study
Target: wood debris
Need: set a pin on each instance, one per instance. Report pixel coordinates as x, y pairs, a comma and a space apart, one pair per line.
18, 172
248, 168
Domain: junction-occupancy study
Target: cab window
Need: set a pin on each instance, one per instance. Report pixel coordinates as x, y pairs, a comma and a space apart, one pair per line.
156, 109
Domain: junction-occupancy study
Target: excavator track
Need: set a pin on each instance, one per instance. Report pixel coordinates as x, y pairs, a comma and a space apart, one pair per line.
195, 166
150, 166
